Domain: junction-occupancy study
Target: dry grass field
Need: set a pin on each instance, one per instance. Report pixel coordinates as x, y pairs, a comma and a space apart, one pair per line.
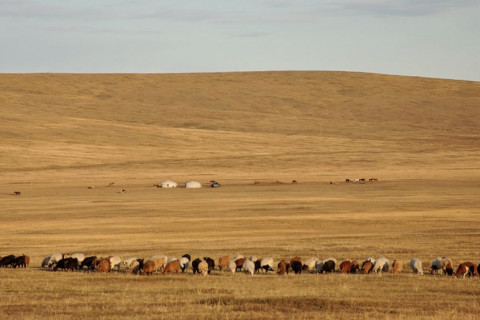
60, 133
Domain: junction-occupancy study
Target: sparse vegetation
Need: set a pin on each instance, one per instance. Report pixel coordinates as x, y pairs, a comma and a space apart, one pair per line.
62, 133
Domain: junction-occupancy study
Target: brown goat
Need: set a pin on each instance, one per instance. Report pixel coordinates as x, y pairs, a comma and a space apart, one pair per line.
239, 264
102, 265
223, 262
346, 266
367, 266
397, 266
148, 268
172, 266
283, 267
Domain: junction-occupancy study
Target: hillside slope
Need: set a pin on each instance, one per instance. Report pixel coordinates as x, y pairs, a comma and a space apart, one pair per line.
260, 125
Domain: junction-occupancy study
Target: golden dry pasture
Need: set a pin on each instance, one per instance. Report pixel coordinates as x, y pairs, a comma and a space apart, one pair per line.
60, 133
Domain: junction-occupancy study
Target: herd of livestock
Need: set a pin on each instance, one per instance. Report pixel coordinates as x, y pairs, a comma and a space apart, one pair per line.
252, 265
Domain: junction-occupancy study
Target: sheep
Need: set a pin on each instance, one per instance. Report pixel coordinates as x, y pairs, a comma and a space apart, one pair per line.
381, 265
135, 266
253, 258
446, 264
232, 266
184, 263
210, 262
283, 267
239, 263
319, 266
103, 265
195, 264
203, 268
249, 267
467, 268
416, 266
148, 268
54, 258
115, 261
397, 266
45, 262
172, 266
296, 266
160, 262
310, 264
329, 265
346, 266
128, 262
367, 266
436, 265
267, 264
223, 262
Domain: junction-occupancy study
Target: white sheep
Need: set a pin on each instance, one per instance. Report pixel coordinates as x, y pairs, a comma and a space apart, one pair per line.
232, 266
252, 258
54, 258
115, 261
416, 266
249, 267
128, 261
184, 263
381, 264
310, 264
267, 264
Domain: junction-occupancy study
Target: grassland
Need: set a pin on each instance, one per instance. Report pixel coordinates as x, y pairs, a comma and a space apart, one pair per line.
60, 133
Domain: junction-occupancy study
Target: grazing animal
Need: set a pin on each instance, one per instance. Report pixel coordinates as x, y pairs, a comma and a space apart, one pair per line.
296, 266
310, 263
266, 264
160, 262
355, 267
211, 263
7, 261
184, 263
195, 265
381, 265
17, 193
283, 267
232, 266
66, 264
416, 266
54, 258
128, 261
328, 266
397, 266
135, 266
148, 268
253, 258
367, 266
115, 262
89, 263
319, 266
111, 184
446, 264
223, 262
45, 262
239, 264
346, 266
467, 269
203, 268
21, 262
123, 191
436, 265
172, 266
186, 255
249, 267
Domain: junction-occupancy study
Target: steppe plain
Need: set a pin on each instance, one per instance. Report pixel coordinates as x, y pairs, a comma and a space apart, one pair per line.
60, 133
